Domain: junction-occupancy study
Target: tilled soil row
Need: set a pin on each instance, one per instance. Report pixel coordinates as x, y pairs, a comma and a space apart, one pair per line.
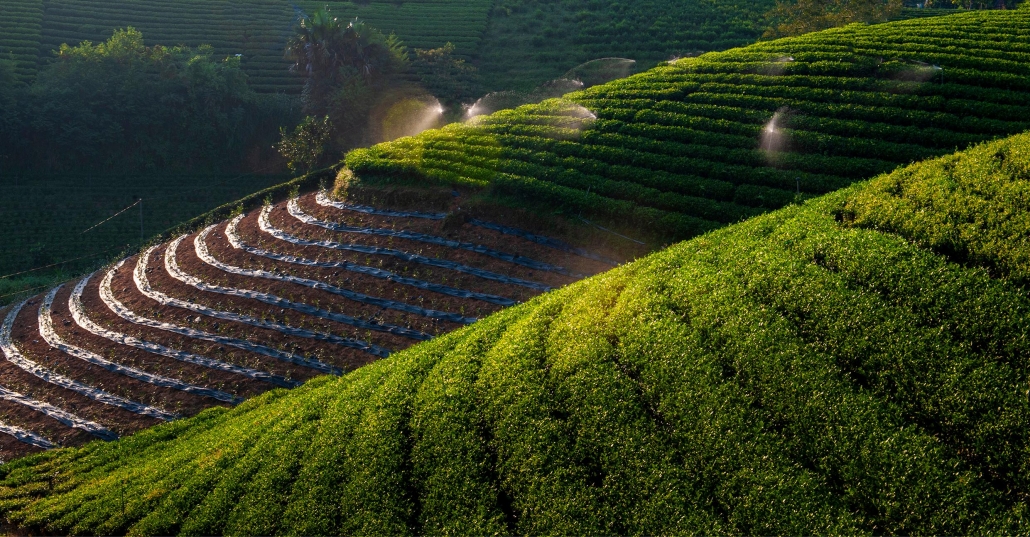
281, 218
369, 280
251, 232
458, 229
189, 263
161, 281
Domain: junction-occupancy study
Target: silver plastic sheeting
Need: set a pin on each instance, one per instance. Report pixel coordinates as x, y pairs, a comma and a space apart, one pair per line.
299, 214
267, 227
120, 310
172, 266
79, 315
237, 243
556, 244
46, 330
26, 437
278, 301
62, 416
200, 244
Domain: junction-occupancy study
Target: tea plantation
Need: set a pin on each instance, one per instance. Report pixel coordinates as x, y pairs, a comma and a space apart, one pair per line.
50, 219
531, 41
853, 364
702, 142
20, 26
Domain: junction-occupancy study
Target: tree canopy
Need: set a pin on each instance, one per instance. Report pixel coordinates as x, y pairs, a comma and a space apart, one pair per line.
122, 105
796, 17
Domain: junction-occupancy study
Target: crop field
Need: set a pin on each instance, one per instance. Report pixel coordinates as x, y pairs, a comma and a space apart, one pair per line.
267, 299
48, 218
854, 364
20, 26
532, 41
694, 145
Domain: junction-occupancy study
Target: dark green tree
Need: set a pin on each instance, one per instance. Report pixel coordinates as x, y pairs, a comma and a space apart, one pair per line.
121, 105
330, 56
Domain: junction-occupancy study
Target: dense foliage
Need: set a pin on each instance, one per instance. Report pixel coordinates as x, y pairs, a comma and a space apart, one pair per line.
796, 17
45, 216
517, 44
824, 368
122, 105
691, 146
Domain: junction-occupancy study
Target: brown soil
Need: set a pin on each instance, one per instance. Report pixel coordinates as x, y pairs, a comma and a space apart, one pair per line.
325, 300
229, 382
22, 416
282, 219
457, 229
468, 201
162, 281
11, 448
170, 399
125, 291
219, 247
30, 343
252, 235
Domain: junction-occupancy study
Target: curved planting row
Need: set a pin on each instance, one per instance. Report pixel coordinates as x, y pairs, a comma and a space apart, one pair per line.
703, 142
507, 230
414, 258
20, 23
15, 357
234, 240
265, 300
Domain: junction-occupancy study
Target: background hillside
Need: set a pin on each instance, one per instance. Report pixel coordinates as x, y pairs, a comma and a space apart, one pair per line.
693, 145
853, 364
505, 39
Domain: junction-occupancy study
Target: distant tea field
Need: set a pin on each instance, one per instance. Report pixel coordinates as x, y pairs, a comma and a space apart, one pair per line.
45, 218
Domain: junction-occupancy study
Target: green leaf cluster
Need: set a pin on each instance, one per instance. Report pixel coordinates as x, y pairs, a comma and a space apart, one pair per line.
122, 105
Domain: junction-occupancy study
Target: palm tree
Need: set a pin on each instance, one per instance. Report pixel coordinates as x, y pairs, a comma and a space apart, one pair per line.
325, 52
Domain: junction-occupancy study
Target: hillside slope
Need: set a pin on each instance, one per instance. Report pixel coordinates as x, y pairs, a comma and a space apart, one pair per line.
854, 364
691, 146
528, 42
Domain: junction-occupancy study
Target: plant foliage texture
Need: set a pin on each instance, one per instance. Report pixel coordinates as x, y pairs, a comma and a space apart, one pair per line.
701, 142
796, 17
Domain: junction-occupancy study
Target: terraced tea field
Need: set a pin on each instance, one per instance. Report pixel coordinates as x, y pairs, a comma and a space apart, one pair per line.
20, 31
691, 146
267, 299
529, 42
50, 218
